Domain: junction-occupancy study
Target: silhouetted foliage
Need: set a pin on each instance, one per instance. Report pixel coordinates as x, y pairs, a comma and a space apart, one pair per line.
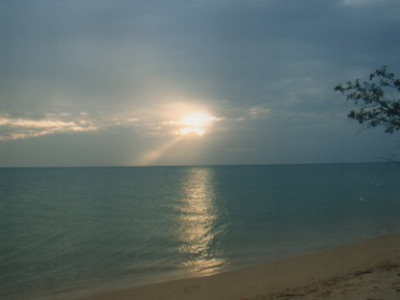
378, 99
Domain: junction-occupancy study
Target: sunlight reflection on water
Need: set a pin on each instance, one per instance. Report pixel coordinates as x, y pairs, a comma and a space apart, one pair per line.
198, 215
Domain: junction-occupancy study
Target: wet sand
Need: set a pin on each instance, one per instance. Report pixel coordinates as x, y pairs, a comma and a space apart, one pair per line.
365, 270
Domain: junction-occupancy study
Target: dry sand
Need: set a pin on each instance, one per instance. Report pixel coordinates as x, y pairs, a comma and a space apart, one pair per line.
366, 270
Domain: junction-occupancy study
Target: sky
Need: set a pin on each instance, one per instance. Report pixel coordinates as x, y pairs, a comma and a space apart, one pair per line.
182, 82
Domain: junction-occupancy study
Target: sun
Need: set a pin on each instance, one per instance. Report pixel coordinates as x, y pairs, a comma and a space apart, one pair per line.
196, 123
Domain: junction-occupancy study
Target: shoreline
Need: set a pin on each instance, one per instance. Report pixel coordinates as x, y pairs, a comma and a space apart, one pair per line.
367, 269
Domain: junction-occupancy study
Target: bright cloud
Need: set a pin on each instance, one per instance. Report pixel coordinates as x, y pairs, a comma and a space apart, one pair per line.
168, 120
23, 128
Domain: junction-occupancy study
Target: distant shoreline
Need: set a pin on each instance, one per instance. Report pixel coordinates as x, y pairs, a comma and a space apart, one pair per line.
370, 268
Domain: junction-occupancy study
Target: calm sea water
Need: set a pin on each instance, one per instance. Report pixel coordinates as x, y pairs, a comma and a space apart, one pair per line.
71, 231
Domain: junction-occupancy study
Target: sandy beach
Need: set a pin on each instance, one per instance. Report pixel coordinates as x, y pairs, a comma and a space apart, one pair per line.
365, 270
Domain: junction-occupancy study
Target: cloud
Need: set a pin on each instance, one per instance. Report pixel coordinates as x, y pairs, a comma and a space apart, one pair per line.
23, 128
162, 120
258, 112
355, 2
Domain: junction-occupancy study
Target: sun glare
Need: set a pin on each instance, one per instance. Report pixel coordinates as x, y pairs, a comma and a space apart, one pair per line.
196, 123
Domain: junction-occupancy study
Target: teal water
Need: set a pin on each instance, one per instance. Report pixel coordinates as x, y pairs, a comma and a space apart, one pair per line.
65, 232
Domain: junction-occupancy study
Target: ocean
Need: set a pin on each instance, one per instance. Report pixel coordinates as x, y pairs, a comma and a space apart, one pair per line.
68, 232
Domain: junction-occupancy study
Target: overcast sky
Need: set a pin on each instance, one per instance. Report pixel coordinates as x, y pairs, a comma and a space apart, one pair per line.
104, 83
